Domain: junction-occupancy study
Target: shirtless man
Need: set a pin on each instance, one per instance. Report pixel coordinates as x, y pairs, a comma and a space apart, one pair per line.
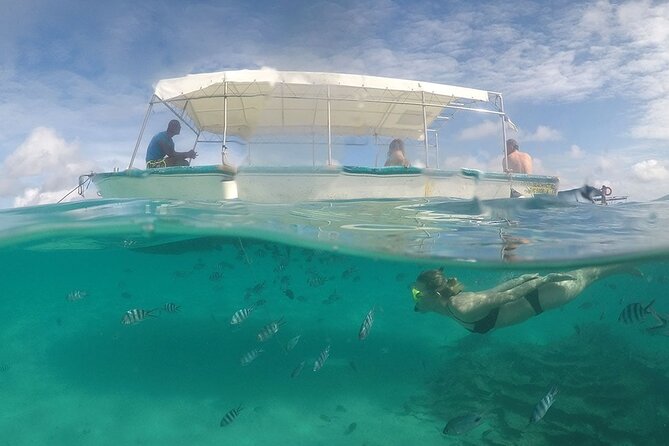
516, 161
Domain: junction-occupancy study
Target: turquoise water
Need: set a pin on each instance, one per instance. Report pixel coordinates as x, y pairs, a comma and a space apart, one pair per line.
72, 374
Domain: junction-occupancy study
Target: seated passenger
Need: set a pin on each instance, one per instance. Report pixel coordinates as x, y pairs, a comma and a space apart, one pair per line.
516, 161
161, 153
396, 155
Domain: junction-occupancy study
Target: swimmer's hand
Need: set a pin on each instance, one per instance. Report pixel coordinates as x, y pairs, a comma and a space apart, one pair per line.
558, 277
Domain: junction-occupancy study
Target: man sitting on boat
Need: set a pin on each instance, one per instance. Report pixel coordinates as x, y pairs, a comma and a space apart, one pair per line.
161, 153
516, 161
396, 155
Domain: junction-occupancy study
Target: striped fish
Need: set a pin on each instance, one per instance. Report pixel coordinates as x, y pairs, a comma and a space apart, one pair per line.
241, 315
171, 308
542, 406
231, 415
320, 362
76, 295
297, 370
366, 325
249, 357
270, 330
636, 312
136, 315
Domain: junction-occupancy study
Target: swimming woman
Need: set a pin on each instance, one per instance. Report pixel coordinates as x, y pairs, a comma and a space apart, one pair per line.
512, 302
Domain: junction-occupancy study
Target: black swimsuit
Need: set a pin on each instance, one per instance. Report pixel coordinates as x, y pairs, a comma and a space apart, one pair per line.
488, 322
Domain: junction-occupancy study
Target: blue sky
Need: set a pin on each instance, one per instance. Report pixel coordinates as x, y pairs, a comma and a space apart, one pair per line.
587, 83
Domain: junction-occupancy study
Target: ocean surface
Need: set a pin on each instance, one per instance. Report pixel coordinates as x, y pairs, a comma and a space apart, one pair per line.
72, 373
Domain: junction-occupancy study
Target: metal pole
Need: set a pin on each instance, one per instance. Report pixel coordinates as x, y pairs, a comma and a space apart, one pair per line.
503, 117
427, 162
436, 147
141, 132
225, 121
329, 131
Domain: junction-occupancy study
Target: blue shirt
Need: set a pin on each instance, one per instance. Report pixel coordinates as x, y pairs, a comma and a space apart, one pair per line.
155, 152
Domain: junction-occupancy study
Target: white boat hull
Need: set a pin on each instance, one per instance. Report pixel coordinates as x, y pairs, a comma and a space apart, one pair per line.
299, 184
207, 183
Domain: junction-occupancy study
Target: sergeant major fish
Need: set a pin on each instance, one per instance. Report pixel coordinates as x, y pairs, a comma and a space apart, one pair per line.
231, 415
366, 325
249, 357
171, 308
325, 354
270, 330
463, 423
241, 315
542, 406
76, 295
136, 315
635, 313
297, 370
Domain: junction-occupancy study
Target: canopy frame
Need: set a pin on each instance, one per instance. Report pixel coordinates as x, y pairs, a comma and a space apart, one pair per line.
252, 88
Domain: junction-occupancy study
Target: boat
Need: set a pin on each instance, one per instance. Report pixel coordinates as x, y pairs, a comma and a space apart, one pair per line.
317, 114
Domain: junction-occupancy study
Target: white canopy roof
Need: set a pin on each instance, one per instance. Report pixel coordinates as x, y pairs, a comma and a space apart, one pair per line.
267, 101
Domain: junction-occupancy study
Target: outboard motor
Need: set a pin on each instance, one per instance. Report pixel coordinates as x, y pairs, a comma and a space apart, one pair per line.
585, 194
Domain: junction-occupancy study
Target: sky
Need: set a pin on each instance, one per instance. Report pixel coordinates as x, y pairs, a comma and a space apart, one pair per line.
586, 82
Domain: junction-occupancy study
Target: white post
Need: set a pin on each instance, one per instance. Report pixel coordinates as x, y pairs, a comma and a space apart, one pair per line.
329, 131
141, 132
427, 162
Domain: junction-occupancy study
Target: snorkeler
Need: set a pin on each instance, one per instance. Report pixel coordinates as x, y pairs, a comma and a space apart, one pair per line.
512, 302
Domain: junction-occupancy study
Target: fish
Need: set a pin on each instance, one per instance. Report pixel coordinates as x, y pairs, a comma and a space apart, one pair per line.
464, 423
249, 357
270, 330
320, 362
76, 295
241, 315
171, 308
661, 329
351, 427
636, 312
297, 370
366, 325
289, 293
231, 415
292, 343
136, 315
542, 406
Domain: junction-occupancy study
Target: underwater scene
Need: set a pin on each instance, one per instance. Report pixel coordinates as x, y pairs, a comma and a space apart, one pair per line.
139, 322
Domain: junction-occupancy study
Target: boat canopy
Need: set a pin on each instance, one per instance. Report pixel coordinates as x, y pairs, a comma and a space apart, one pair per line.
247, 103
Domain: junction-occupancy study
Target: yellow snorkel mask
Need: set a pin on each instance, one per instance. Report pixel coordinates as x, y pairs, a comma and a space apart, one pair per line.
416, 294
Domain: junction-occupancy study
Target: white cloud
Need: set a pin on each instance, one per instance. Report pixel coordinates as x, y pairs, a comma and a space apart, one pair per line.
43, 168
575, 152
43, 151
543, 133
480, 131
650, 171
